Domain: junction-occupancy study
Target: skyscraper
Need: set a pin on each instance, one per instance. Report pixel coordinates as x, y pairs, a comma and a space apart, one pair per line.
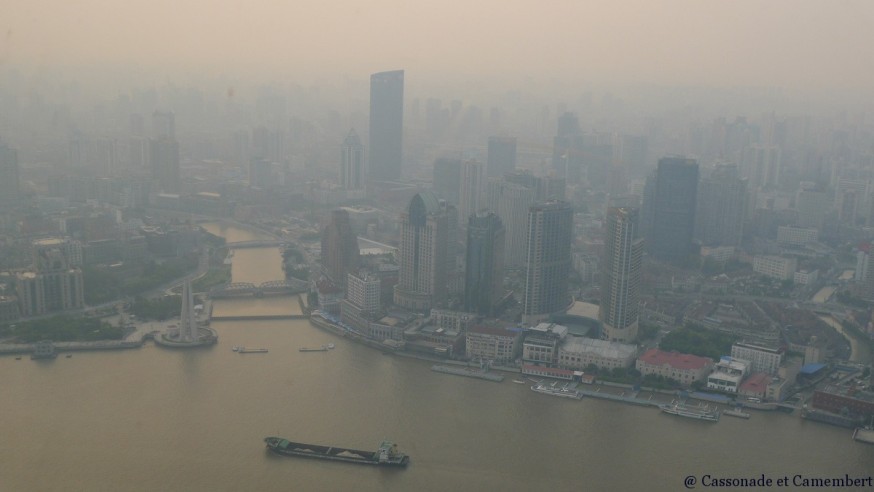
423, 253
9, 183
164, 156
501, 157
352, 163
471, 192
386, 125
340, 255
721, 205
550, 233
164, 152
54, 284
484, 273
510, 201
447, 179
674, 200
620, 276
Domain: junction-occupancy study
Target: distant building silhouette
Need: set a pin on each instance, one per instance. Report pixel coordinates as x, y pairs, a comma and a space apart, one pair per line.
9, 179
511, 201
352, 163
501, 156
447, 179
674, 204
722, 198
386, 125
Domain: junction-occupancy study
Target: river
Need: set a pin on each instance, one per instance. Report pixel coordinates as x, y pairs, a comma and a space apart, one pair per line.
157, 419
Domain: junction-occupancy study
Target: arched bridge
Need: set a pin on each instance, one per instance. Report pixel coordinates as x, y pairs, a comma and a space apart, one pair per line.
273, 287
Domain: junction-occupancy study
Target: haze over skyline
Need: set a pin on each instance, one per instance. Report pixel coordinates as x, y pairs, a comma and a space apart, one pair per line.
800, 46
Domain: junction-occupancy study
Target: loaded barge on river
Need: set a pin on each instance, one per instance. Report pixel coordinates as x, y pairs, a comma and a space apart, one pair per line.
386, 455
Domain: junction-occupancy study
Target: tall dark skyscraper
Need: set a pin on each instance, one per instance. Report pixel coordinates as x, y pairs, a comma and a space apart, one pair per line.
352, 163
484, 274
340, 253
386, 125
9, 182
501, 156
620, 275
674, 204
721, 207
550, 233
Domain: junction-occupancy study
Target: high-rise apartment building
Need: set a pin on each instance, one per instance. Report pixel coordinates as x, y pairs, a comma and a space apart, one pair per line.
386, 125
484, 267
501, 156
423, 253
352, 163
550, 233
340, 254
620, 276
164, 152
9, 181
674, 204
722, 198
54, 284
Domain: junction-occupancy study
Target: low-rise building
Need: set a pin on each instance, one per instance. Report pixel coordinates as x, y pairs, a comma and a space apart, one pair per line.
846, 400
775, 266
755, 386
541, 344
762, 359
728, 374
796, 236
499, 345
579, 352
683, 368
806, 277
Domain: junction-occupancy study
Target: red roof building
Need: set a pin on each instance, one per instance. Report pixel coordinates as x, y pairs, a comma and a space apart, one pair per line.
683, 368
755, 386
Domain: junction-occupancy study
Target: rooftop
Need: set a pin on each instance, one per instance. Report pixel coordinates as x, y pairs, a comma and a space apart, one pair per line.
676, 360
603, 348
757, 383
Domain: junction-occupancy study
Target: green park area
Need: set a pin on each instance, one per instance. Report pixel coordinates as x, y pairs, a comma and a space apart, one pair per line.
60, 329
697, 340
104, 284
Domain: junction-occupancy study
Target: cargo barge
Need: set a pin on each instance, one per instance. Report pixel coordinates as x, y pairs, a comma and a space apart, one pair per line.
386, 455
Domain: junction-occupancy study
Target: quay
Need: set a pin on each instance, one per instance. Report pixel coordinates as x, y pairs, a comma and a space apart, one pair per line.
459, 371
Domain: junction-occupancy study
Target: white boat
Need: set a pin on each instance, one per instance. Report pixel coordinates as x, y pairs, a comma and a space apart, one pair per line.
560, 392
330, 345
683, 410
519, 382
236, 348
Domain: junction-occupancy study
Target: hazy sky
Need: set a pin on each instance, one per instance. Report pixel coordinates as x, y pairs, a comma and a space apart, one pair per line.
796, 44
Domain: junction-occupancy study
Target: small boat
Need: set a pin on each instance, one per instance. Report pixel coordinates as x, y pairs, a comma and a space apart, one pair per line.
236, 348
244, 350
519, 382
330, 345
18, 358
736, 412
69, 355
